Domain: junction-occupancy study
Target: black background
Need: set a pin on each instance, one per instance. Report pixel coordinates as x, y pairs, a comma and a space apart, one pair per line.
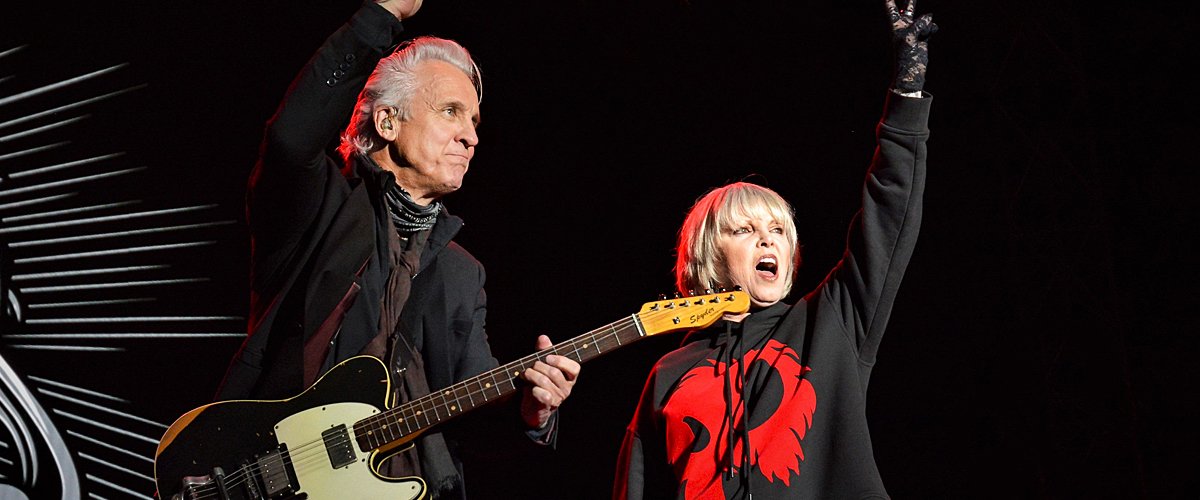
1042, 344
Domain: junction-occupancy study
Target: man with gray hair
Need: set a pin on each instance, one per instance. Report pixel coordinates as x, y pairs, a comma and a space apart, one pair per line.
356, 257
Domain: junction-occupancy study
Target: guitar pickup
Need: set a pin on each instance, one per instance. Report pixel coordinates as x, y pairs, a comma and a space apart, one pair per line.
274, 474
337, 446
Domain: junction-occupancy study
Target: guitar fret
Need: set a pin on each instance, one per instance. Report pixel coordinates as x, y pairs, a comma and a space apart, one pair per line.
365, 436
452, 402
492, 382
466, 391
453, 405
387, 429
481, 388
459, 397
513, 379
421, 412
431, 409
614, 337
470, 399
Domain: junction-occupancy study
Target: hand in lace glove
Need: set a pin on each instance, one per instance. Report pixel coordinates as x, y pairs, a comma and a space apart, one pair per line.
910, 38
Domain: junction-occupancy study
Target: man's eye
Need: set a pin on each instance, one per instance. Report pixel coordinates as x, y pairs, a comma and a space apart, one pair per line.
450, 111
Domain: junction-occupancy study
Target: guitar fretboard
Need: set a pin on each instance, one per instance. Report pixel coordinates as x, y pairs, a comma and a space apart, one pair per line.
415, 416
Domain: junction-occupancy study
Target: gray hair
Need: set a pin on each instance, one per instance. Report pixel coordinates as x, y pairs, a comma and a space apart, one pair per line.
394, 82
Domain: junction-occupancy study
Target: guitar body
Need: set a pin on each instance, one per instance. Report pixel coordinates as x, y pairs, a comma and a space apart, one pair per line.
282, 449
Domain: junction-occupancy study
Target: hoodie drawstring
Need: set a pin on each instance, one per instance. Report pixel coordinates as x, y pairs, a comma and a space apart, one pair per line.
731, 408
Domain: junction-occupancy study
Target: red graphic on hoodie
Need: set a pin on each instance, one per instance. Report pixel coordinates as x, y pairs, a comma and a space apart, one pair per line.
781, 415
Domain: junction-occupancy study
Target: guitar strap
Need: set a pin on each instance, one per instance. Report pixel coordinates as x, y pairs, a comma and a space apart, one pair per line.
429, 458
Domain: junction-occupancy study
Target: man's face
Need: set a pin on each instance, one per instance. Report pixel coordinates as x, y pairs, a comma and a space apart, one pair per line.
757, 257
434, 146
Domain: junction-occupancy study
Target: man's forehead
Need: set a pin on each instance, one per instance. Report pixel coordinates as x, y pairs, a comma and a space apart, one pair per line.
443, 81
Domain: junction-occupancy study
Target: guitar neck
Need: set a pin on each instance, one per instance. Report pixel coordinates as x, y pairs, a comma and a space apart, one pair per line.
407, 420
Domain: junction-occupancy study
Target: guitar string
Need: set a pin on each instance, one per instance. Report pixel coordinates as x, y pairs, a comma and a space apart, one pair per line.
305, 454
383, 419
300, 458
236, 479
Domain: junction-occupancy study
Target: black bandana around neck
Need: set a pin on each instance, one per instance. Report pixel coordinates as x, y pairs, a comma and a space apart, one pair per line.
407, 215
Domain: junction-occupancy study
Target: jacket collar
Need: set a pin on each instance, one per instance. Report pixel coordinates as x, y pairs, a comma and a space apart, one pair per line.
377, 181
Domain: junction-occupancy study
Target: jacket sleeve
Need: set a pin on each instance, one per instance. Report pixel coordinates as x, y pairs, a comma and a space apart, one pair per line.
883, 234
293, 172
476, 356
294, 176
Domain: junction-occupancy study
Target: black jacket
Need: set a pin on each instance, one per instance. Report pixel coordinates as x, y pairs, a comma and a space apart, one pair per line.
319, 246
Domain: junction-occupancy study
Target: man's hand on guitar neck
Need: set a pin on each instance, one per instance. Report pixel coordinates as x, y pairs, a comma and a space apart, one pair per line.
550, 384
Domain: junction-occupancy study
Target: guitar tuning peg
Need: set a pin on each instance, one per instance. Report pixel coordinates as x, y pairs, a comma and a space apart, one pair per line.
708, 291
662, 296
678, 295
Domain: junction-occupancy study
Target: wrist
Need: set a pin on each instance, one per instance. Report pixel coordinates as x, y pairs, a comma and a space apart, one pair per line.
400, 8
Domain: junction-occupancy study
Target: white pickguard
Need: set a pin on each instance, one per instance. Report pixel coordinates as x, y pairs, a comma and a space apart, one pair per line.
301, 433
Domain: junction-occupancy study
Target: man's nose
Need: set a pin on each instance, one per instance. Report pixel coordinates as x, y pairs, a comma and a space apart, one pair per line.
468, 137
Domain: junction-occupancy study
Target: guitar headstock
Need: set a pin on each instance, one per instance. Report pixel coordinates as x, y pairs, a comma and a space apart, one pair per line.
689, 313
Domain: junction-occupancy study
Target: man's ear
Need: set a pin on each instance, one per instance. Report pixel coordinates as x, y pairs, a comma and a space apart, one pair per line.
386, 123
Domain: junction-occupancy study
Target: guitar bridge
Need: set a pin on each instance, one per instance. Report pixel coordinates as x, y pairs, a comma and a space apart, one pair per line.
216, 485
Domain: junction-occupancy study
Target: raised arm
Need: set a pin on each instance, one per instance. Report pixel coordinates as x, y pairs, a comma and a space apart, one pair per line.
294, 171
883, 234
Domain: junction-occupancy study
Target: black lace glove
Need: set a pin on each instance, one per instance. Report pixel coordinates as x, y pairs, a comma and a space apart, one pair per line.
910, 39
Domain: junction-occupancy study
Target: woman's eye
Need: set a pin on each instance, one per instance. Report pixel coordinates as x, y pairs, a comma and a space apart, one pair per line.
777, 230
741, 230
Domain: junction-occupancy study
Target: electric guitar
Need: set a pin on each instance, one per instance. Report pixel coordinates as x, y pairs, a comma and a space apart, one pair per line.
329, 441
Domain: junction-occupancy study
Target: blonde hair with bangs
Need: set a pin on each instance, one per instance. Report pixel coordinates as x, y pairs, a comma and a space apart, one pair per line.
699, 264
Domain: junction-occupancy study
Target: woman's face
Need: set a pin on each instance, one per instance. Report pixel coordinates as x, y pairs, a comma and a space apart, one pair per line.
757, 257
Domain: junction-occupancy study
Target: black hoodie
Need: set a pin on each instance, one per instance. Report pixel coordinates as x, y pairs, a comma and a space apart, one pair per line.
801, 370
